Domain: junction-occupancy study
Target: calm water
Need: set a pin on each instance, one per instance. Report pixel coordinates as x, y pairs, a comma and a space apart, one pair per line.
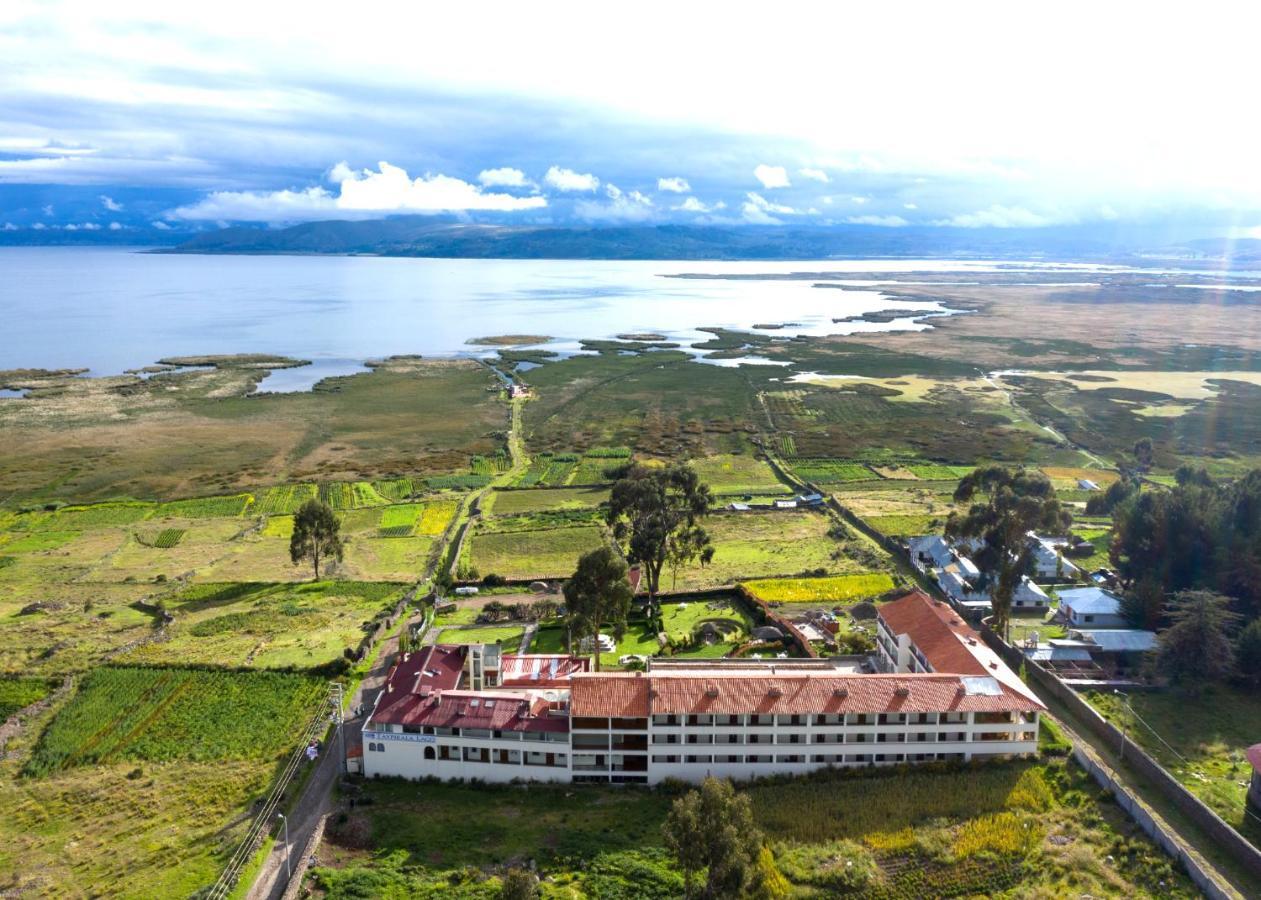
110, 309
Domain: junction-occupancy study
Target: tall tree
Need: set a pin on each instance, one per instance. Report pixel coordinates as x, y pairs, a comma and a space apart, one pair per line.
1009, 503
686, 546
316, 535
1197, 647
649, 506
1248, 653
598, 596
712, 828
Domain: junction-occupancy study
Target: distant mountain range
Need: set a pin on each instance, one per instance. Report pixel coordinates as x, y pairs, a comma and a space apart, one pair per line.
430, 236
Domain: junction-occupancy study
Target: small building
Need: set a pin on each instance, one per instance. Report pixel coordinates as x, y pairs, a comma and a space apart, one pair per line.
785, 504
959, 588
738, 507
1085, 484
1116, 641
467, 591
1090, 607
1254, 787
810, 499
931, 551
1048, 558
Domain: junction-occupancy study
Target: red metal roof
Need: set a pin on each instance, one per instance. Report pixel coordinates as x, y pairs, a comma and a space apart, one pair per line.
618, 694
540, 670
491, 710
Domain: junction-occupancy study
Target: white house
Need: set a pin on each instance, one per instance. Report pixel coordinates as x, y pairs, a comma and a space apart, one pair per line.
1048, 558
941, 694
1027, 596
1090, 607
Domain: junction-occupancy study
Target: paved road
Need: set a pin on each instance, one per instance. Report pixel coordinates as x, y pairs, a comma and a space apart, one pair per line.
317, 798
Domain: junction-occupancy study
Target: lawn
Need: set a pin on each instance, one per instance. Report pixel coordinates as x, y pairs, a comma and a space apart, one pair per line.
1039, 828
508, 503
268, 625
681, 620
743, 474
836, 589
1199, 738
507, 636
547, 553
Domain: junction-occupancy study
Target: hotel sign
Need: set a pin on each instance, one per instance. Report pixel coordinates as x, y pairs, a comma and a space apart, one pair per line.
391, 736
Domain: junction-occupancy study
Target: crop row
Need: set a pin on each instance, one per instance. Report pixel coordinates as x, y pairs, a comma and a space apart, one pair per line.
832, 589
168, 538
207, 507
176, 714
284, 499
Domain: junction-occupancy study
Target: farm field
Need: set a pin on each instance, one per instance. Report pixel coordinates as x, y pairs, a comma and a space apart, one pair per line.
914, 509
137, 783
970, 832
837, 589
761, 544
832, 471
1199, 739
545, 553
507, 503
730, 474
268, 626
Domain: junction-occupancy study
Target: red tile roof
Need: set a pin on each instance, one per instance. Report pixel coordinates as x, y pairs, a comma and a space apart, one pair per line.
540, 670
491, 710
619, 694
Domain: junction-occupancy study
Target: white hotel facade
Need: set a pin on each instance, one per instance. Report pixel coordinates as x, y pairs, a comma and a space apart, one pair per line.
933, 691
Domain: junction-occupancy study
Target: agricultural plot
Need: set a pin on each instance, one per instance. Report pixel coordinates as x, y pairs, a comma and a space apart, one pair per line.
268, 625
97, 515
436, 516
905, 525
832, 471
508, 503
400, 520
388, 558
836, 589
1066, 477
202, 543
911, 510
490, 465
395, 489
163, 715
548, 469
19, 693
594, 469
51, 628
731, 474
284, 500
206, 507
752, 545
508, 636
168, 538
547, 553
342, 495
456, 482
937, 472
1039, 828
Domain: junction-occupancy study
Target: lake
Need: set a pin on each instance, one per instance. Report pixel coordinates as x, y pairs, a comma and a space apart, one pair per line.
111, 309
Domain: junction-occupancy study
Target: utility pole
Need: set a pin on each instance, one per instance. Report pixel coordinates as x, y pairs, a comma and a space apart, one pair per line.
288, 868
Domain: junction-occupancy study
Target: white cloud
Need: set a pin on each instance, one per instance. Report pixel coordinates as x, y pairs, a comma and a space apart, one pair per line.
569, 180
111, 204
997, 216
692, 204
39, 226
48, 210
86, 226
9, 226
910, 206
760, 211
814, 174
504, 177
674, 185
161, 226
623, 206
362, 193
772, 176
860, 200
883, 221
114, 226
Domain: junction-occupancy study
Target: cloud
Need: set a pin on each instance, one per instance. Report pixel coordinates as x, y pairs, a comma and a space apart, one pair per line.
757, 210
623, 206
814, 174
111, 204
569, 180
882, 221
772, 176
860, 200
9, 226
86, 226
362, 193
693, 205
674, 185
114, 226
504, 177
909, 206
997, 216
160, 225
48, 210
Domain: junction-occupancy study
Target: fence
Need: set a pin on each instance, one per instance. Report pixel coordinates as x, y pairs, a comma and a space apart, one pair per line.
1214, 826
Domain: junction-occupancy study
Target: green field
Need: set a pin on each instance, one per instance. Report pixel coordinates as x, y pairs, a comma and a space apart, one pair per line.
546, 553
832, 471
19, 693
268, 626
730, 474
507, 503
1039, 829
507, 636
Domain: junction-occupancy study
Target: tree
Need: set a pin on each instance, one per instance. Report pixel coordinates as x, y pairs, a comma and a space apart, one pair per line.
1248, 652
316, 535
1144, 453
1012, 502
1197, 646
711, 828
598, 596
686, 546
518, 884
1143, 605
649, 506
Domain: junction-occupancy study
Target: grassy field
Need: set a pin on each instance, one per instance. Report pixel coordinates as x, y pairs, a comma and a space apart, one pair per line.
1039, 828
268, 625
1200, 739
544, 553
140, 779
507, 636
508, 503
731, 474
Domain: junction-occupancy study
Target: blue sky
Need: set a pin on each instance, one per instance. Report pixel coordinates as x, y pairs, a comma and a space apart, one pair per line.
144, 114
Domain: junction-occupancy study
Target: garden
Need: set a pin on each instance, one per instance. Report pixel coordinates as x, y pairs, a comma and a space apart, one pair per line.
528, 554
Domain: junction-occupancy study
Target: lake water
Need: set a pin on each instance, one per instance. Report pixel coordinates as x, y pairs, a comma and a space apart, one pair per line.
111, 309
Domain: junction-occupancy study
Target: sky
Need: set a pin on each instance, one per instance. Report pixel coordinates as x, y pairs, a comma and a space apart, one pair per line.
134, 115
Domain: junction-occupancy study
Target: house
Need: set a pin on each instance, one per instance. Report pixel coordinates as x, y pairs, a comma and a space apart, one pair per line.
1116, 640
1048, 558
810, 499
941, 695
932, 551
1254, 786
785, 504
1090, 606
1085, 484
958, 587
738, 507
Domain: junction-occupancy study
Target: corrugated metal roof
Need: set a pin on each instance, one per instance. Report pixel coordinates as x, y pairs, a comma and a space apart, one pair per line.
1120, 640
